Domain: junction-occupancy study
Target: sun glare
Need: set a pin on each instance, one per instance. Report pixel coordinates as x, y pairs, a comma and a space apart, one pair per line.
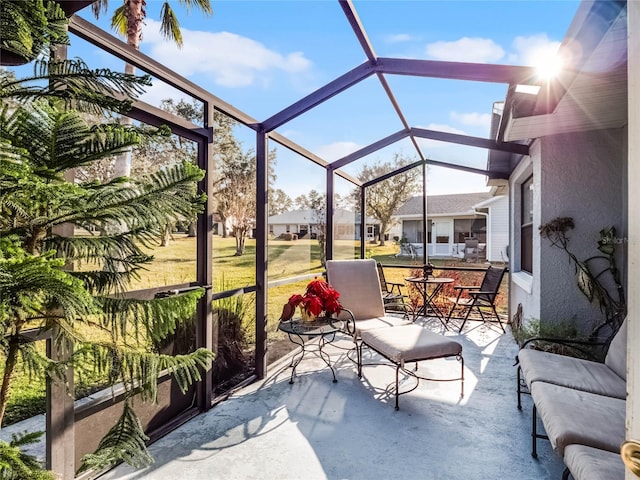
549, 67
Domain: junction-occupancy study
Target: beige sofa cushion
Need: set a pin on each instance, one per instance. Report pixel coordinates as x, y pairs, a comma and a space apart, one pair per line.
616, 358
594, 377
571, 416
410, 343
588, 463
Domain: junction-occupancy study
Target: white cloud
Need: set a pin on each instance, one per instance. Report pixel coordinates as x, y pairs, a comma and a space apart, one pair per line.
476, 50
474, 119
336, 150
398, 38
533, 50
230, 59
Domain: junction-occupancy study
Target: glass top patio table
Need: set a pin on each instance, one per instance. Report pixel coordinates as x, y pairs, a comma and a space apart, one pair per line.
302, 333
430, 287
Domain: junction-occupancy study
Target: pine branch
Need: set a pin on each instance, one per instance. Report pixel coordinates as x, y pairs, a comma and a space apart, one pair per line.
17, 465
77, 86
155, 318
126, 441
149, 203
57, 140
30, 281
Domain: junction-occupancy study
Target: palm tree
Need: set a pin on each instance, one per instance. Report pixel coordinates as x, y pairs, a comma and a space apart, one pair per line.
127, 20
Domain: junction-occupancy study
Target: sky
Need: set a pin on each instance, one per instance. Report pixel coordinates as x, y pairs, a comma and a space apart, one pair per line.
261, 56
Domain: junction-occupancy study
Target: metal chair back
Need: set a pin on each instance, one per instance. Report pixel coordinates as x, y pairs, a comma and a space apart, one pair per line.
491, 283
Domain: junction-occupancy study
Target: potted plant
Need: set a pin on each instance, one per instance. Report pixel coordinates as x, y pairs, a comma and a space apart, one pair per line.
319, 298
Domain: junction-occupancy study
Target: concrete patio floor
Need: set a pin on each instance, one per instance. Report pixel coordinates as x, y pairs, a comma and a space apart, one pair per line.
316, 429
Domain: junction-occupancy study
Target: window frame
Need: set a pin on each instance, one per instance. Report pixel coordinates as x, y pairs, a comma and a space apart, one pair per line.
526, 225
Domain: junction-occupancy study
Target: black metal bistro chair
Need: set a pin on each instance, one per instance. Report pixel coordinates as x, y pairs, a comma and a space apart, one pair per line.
480, 297
392, 296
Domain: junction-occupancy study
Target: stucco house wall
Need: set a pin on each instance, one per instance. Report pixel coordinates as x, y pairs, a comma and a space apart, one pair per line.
578, 175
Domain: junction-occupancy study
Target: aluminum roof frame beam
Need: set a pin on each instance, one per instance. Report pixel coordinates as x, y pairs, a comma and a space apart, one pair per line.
96, 36
473, 72
489, 144
361, 34
319, 96
435, 163
470, 141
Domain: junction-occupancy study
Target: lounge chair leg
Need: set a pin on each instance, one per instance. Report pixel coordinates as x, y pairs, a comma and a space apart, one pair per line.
534, 432
518, 389
461, 376
397, 385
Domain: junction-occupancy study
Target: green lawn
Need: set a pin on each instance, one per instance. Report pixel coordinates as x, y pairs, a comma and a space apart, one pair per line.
176, 264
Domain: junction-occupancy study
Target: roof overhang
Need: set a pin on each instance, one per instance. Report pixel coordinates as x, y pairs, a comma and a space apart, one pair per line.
590, 94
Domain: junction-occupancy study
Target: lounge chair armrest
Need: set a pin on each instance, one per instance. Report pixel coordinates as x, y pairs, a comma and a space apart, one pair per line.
350, 322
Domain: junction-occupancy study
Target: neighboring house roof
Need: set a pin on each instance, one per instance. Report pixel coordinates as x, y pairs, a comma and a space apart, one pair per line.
454, 204
309, 216
489, 201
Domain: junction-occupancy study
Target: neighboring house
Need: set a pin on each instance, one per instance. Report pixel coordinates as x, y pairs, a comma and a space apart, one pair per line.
577, 132
451, 219
304, 223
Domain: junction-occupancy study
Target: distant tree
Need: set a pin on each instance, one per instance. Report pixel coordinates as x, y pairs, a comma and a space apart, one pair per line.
235, 180
226, 150
384, 198
279, 202
238, 198
312, 200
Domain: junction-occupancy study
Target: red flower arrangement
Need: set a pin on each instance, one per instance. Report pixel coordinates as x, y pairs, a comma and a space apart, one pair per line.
318, 297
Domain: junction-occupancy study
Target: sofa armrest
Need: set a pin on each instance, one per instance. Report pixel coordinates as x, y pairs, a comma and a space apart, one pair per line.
580, 346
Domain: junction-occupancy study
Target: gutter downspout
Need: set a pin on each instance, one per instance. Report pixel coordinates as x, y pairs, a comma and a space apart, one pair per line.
486, 216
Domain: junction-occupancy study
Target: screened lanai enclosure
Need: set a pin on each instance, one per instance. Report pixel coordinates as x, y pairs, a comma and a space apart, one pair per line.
241, 196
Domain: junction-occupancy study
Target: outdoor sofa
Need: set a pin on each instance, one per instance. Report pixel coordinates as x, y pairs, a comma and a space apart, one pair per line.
582, 406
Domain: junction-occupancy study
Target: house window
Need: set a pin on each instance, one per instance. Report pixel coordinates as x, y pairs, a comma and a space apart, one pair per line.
462, 229
526, 226
412, 231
